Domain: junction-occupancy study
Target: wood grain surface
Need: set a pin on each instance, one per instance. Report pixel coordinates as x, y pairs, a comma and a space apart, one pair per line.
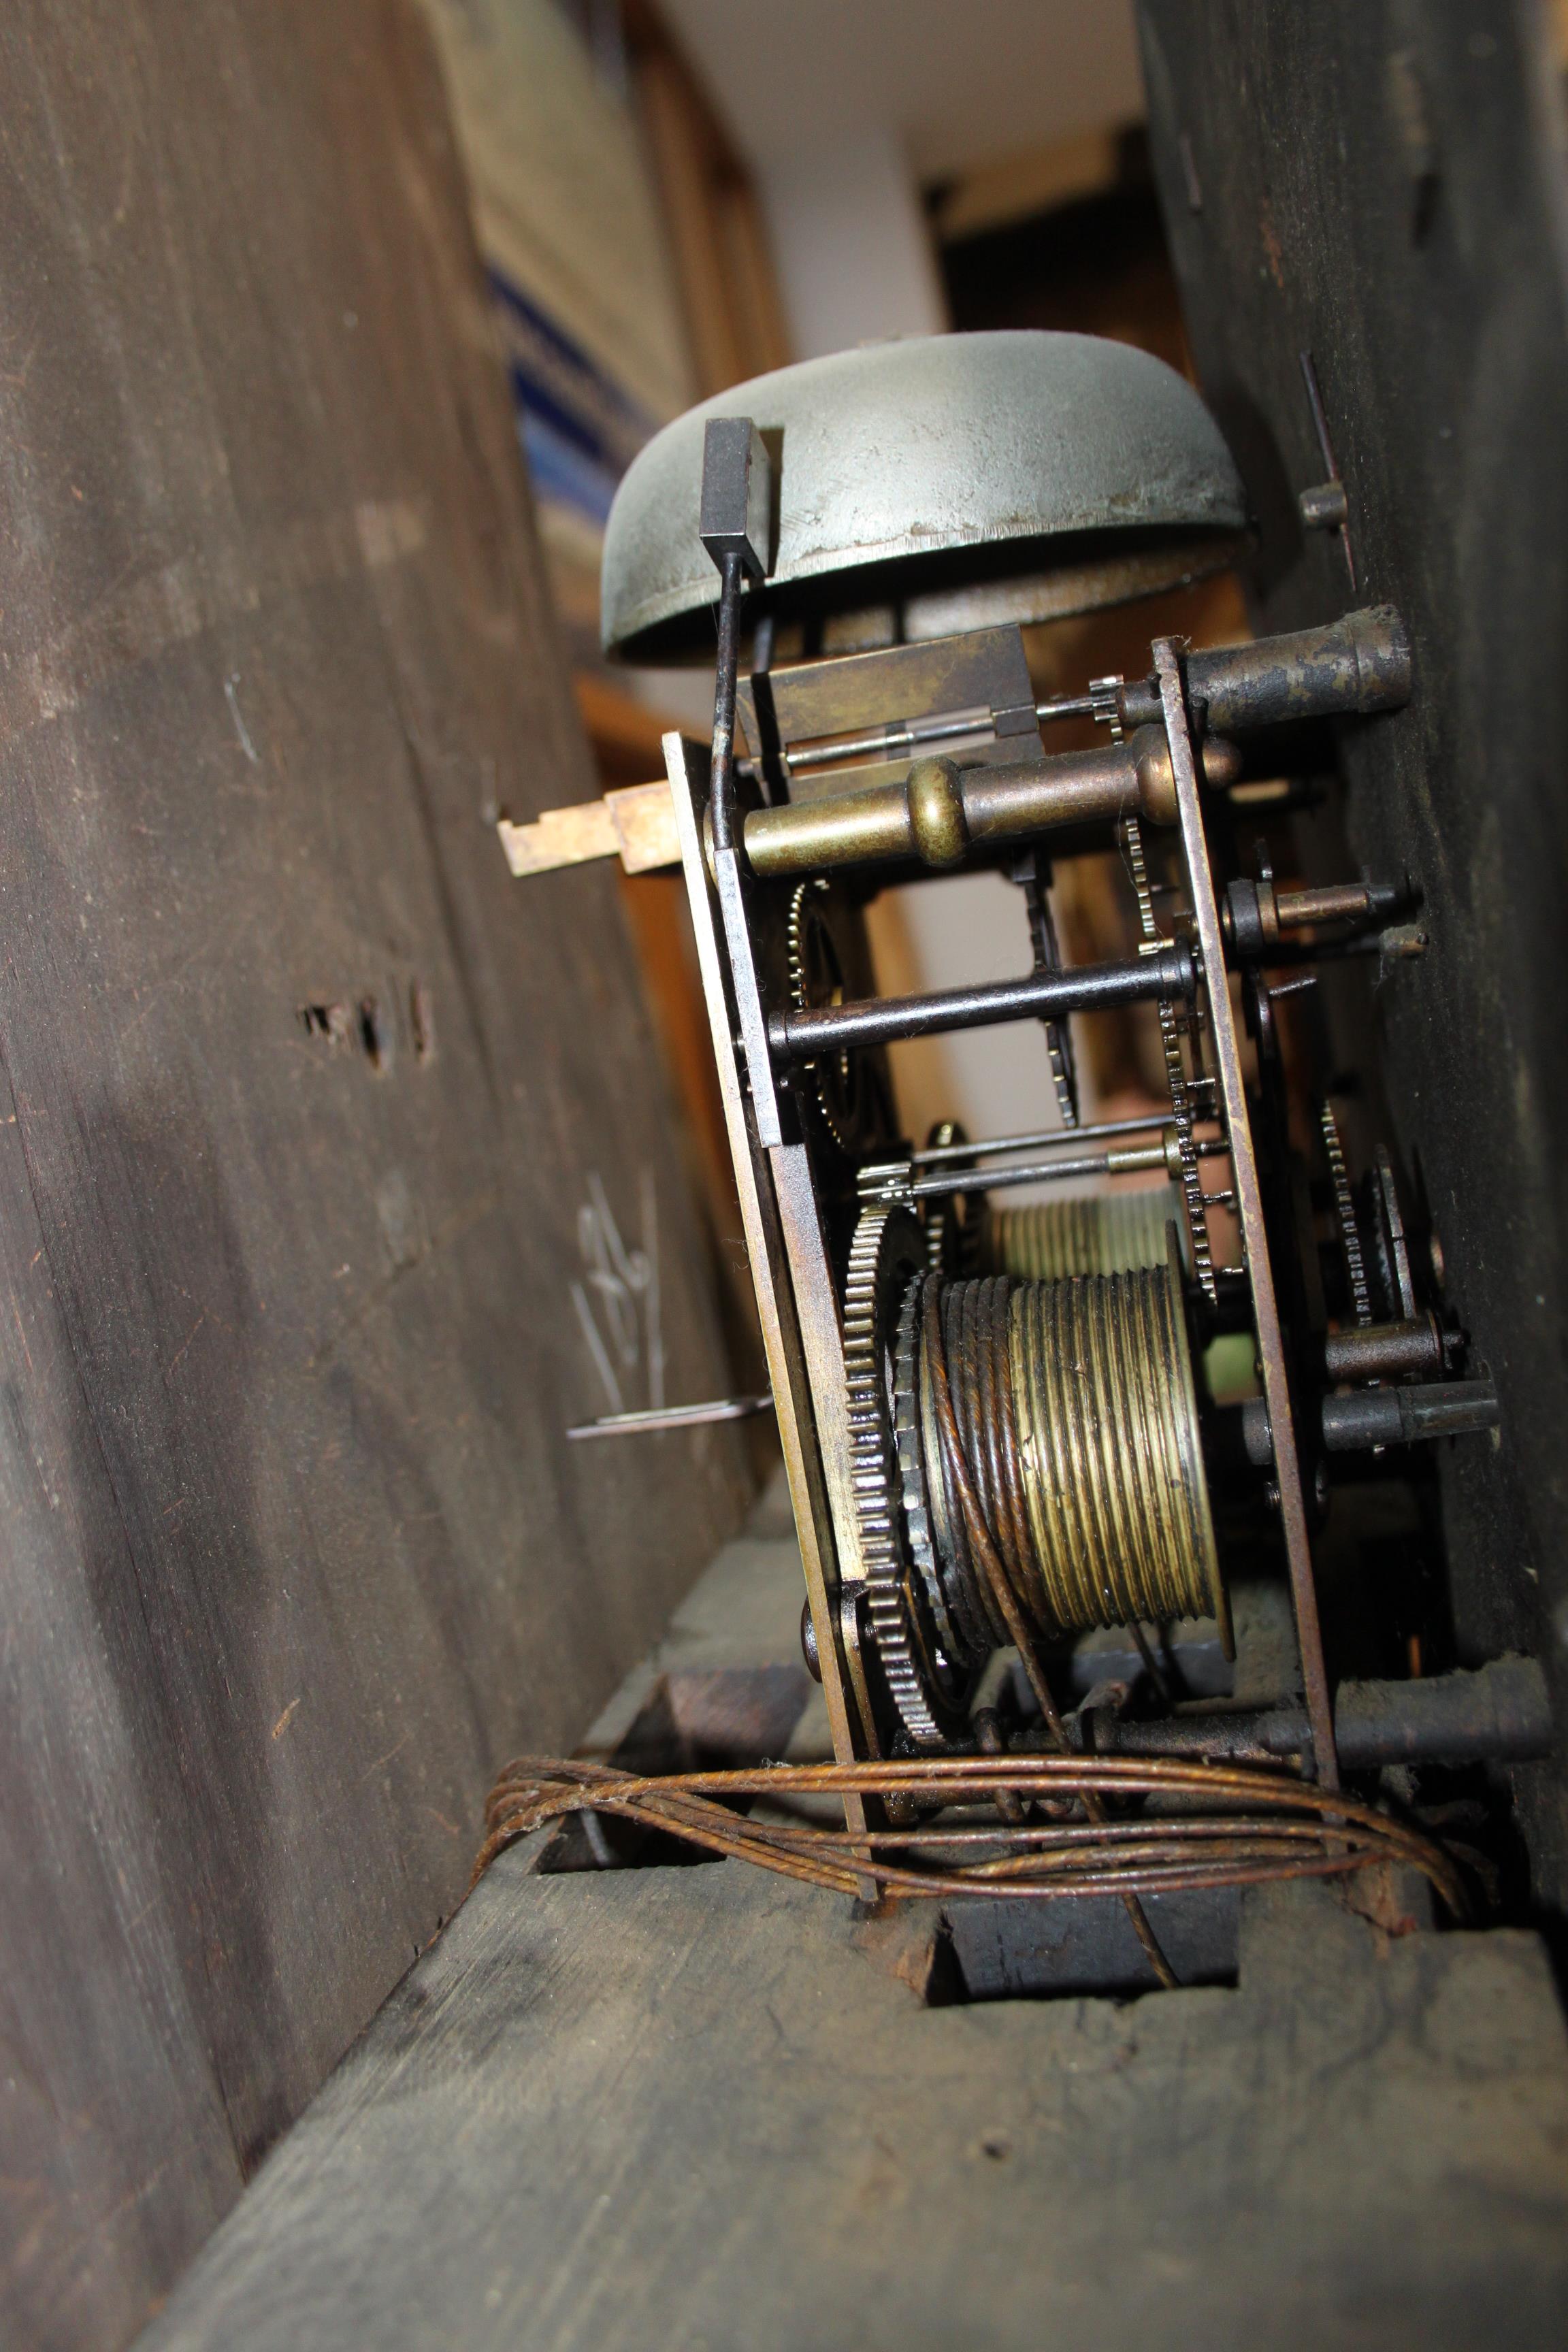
659, 2108
639, 2107
300, 1098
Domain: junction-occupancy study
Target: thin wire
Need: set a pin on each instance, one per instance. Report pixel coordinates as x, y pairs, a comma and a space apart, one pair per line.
1151, 1666
1285, 1828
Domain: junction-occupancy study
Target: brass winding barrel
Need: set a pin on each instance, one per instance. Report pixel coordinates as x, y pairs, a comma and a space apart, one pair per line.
1108, 1232
1113, 1476
1069, 1464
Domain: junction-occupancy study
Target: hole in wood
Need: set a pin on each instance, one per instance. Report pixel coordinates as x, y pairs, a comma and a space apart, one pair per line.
421, 1022
726, 1720
329, 1024
1063, 1951
374, 1035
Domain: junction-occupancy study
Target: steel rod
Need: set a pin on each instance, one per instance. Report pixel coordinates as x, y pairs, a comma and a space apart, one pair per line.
652, 1418
952, 726
890, 741
772, 1274
881, 1020
1359, 664
1093, 1164
992, 1147
1501, 1712
1380, 1351
1047, 1172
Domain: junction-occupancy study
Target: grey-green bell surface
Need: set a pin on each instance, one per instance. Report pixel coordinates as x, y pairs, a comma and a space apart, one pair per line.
1019, 474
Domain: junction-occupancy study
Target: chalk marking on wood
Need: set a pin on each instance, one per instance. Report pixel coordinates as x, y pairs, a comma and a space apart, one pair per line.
240, 729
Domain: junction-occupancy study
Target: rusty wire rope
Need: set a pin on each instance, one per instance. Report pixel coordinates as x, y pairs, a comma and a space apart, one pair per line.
1274, 1825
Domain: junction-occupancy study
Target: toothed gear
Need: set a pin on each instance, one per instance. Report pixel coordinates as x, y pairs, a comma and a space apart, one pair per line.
1058, 1035
952, 1223
1390, 1244
834, 1077
1105, 704
887, 1258
1344, 1215
1182, 1089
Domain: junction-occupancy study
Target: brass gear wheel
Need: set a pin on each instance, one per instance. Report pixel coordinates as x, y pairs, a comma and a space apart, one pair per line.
887, 1258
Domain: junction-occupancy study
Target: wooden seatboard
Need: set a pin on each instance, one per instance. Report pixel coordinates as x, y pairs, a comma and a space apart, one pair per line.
667, 2107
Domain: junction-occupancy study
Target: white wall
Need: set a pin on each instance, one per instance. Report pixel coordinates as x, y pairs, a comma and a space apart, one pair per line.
855, 264
850, 243
958, 81
966, 927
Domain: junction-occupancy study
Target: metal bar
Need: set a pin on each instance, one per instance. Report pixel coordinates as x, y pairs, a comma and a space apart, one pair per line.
1334, 902
1325, 443
899, 822
727, 864
1099, 1163
1501, 1711
1249, 1208
937, 1152
1368, 1418
1065, 706
888, 742
652, 1418
1380, 1351
721, 789
1449, 1409
1354, 665
879, 1021
991, 1146
1094, 1163
748, 998
880, 824
1359, 664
